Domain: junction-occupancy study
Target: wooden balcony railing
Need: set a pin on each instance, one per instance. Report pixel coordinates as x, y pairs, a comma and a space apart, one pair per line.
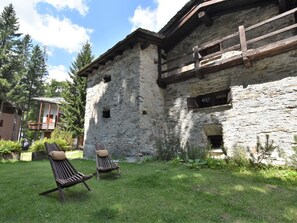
41, 126
242, 47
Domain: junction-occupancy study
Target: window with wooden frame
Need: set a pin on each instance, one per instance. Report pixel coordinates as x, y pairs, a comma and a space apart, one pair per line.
210, 100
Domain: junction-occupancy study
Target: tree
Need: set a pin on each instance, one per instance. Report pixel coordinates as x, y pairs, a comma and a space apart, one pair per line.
75, 95
55, 88
30, 81
9, 52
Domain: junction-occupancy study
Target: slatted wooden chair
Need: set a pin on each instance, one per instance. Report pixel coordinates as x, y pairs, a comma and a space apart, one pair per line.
64, 173
103, 163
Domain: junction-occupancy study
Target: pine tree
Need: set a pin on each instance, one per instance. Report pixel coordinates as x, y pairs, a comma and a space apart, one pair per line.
9, 52
75, 95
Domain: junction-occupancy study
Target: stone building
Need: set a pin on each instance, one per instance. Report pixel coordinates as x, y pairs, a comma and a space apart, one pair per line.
220, 71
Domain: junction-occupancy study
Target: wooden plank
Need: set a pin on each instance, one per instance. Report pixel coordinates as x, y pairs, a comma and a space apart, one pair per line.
273, 49
271, 19
176, 58
178, 67
272, 34
243, 45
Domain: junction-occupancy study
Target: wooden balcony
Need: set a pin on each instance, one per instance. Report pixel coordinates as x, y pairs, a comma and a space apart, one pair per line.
39, 126
243, 47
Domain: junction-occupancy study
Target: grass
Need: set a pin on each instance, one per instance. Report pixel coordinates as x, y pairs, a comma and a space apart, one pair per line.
149, 192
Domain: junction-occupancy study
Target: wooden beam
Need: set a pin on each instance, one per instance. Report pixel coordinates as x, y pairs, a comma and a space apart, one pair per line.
205, 18
243, 45
273, 48
282, 6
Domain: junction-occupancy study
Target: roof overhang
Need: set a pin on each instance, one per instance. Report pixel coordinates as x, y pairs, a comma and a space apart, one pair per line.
187, 18
141, 36
52, 100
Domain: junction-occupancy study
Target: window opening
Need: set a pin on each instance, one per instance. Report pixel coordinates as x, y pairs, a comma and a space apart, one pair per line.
210, 50
216, 141
209, 100
107, 78
1, 123
106, 114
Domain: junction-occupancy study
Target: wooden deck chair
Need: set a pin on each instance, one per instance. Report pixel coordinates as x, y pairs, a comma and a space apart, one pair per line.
64, 173
103, 163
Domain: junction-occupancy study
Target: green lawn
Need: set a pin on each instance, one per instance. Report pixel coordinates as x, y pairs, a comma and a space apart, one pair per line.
148, 192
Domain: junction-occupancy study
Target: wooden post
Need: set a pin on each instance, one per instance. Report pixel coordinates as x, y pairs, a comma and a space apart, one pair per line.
242, 38
197, 57
48, 116
40, 111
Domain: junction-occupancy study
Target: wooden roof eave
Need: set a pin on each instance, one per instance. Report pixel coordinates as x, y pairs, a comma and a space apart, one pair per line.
138, 36
182, 25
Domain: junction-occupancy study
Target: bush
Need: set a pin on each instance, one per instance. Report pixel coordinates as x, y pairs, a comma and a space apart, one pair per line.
168, 149
194, 152
262, 151
58, 134
38, 146
8, 147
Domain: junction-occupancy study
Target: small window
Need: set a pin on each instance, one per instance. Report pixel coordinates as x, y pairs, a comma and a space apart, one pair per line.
209, 100
1, 123
210, 50
107, 78
216, 141
106, 114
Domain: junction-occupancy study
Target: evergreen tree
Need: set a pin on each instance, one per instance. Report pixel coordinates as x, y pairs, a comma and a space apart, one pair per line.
55, 88
75, 95
9, 52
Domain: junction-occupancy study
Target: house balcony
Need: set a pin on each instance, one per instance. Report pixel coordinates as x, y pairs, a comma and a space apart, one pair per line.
267, 38
39, 126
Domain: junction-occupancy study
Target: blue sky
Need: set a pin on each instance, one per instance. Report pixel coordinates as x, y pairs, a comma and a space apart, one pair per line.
64, 26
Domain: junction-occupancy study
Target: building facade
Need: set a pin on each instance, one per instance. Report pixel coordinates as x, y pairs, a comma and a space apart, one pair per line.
220, 72
49, 114
10, 121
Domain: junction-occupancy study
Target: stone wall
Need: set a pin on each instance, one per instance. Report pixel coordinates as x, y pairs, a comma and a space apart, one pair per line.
120, 96
264, 101
264, 97
135, 101
152, 102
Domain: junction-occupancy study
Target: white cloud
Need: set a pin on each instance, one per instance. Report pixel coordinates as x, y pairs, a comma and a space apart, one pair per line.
49, 30
78, 5
58, 73
155, 19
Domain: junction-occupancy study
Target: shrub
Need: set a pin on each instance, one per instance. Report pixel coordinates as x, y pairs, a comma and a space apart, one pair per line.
239, 158
58, 134
197, 153
168, 149
7, 147
38, 146
294, 156
262, 151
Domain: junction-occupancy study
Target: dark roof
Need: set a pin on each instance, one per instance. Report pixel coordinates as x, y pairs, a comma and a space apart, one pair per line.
138, 36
